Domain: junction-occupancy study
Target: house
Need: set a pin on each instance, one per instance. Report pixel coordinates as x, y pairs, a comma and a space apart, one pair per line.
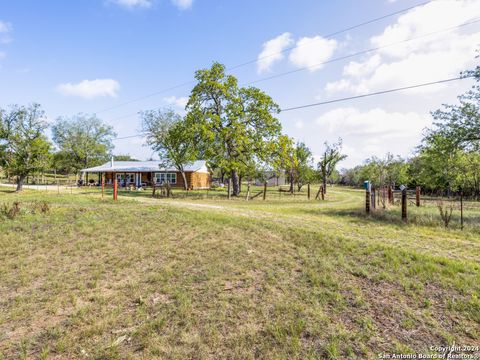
149, 173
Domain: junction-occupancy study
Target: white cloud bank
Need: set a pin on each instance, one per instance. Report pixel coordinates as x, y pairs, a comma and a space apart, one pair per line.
426, 59
90, 89
130, 4
312, 52
371, 132
309, 52
272, 52
183, 4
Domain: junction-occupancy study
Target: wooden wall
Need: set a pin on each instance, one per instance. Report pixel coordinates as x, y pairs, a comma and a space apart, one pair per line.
195, 180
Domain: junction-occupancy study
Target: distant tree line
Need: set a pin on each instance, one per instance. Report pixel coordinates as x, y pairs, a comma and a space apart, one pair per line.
447, 160
236, 130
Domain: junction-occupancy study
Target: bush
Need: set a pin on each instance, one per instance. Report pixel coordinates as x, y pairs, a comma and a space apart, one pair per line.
10, 211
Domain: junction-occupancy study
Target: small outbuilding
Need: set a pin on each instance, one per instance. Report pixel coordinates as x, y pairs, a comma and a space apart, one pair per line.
149, 173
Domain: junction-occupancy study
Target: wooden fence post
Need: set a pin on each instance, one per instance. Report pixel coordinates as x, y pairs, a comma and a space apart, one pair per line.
417, 196
367, 200
167, 186
384, 191
264, 190
323, 193
390, 194
103, 185
461, 209
308, 191
248, 191
374, 206
404, 205
115, 187
229, 188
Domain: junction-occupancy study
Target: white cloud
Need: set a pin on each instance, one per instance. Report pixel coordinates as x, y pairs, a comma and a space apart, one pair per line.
89, 89
371, 132
426, 59
272, 51
357, 69
5, 30
312, 52
182, 4
5, 27
179, 102
134, 3
432, 17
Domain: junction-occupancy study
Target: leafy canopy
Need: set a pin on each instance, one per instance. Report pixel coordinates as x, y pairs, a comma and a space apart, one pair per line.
23, 146
84, 139
233, 125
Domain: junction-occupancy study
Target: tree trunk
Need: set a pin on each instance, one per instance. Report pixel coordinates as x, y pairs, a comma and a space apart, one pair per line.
325, 185
236, 183
291, 182
20, 180
185, 184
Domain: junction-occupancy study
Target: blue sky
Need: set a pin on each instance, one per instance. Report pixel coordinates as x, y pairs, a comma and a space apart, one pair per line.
91, 55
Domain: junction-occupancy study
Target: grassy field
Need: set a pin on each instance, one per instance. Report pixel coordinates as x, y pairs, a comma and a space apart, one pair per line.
208, 278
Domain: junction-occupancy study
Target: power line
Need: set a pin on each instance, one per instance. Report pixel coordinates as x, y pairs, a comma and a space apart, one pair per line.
350, 98
146, 96
362, 52
332, 34
255, 60
374, 93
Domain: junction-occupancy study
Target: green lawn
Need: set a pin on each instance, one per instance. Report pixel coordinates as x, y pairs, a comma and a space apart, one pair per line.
208, 278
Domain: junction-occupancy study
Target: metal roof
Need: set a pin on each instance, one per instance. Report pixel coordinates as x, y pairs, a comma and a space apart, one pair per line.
145, 166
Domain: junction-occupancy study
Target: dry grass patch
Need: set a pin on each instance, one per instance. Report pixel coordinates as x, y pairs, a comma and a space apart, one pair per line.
94, 279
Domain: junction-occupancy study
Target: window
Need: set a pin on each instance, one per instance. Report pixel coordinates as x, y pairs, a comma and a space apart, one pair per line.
125, 179
163, 178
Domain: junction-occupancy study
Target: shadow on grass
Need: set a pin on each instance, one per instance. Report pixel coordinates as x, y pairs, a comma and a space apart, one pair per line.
7, 191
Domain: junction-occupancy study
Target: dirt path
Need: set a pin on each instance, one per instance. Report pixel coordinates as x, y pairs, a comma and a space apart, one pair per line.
314, 222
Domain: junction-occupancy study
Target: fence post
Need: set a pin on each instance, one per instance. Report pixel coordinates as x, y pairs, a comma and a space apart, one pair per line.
384, 191
103, 185
115, 187
248, 191
417, 196
374, 204
461, 209
390, 194
404, 205
308, 191
367, 200
264, 190
323, 193
229, 187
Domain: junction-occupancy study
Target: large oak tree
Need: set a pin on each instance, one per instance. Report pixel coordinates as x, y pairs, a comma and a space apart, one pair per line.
234, 125
84, 140
24, 147
169, 135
